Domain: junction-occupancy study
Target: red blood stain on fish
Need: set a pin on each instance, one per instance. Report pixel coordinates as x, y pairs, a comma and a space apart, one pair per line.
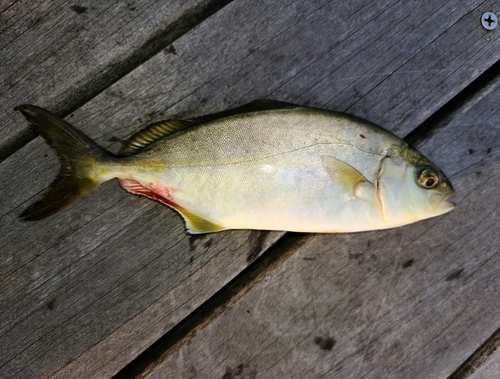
155, 191
362, 136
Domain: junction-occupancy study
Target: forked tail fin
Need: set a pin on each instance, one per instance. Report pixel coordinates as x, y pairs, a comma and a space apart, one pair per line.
78, 155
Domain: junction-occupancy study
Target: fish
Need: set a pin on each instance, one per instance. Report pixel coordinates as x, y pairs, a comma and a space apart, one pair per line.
267, 165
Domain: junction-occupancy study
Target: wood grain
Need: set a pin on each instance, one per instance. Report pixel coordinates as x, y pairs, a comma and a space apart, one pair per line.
85, 292
59, 54
483, 362
489, 368
413, 302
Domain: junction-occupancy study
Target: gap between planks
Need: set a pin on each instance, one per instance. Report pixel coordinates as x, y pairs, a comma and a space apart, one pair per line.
480, 356
158, 41
141, 366
214, 306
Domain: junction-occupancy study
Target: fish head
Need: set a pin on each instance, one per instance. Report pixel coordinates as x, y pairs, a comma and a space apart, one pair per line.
411, 188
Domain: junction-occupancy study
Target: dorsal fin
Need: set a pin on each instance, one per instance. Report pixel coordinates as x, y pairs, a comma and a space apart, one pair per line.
254, 106
152, 133
158, 130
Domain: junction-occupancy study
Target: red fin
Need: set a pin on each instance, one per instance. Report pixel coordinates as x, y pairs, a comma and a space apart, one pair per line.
137, 188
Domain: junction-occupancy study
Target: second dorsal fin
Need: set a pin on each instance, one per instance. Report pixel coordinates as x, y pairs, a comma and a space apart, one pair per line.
152, 133
158, 130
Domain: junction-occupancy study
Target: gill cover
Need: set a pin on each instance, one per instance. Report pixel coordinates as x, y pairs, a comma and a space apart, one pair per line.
411, 191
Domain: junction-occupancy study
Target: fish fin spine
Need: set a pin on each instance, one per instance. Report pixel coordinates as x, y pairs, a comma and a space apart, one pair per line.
79, 158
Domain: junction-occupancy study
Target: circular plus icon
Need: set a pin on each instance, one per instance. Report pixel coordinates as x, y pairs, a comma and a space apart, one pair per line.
489, 20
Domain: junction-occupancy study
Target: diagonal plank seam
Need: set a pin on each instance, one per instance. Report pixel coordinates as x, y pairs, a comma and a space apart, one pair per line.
462, 100
443, 52
364, 346
287, 245
389, 262
218, 76
159, 41
214, 306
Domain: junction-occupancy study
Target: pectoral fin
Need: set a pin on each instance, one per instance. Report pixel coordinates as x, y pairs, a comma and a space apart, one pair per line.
347, 176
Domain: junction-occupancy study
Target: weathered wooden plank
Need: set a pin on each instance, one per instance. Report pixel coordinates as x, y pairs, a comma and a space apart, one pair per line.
59, 54
489, 369
483, 363
412, 302
261, 61
6, 4
90, 289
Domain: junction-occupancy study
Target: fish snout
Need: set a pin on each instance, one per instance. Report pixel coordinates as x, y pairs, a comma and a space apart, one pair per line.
440, 203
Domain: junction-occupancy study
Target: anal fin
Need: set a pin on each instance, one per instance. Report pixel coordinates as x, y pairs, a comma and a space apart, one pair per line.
194, 223
198, 225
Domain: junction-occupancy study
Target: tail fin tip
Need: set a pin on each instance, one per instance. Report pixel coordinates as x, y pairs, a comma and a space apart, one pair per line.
78, 154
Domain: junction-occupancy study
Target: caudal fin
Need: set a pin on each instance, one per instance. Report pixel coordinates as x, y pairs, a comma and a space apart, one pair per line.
78, 156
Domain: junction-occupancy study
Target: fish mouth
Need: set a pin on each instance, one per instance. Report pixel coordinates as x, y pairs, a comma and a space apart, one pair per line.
440, 203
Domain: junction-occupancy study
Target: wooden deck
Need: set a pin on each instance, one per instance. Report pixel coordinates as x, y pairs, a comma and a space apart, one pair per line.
114, 287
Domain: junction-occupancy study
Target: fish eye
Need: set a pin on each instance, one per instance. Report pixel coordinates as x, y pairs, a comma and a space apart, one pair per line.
428, 178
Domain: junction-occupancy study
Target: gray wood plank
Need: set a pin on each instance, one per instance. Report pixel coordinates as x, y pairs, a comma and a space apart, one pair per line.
412, 302
4, 4
59, 54
483, 363
87, 291
488, 369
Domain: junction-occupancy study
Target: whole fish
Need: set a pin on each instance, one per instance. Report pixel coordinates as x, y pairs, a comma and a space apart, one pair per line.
267, 165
